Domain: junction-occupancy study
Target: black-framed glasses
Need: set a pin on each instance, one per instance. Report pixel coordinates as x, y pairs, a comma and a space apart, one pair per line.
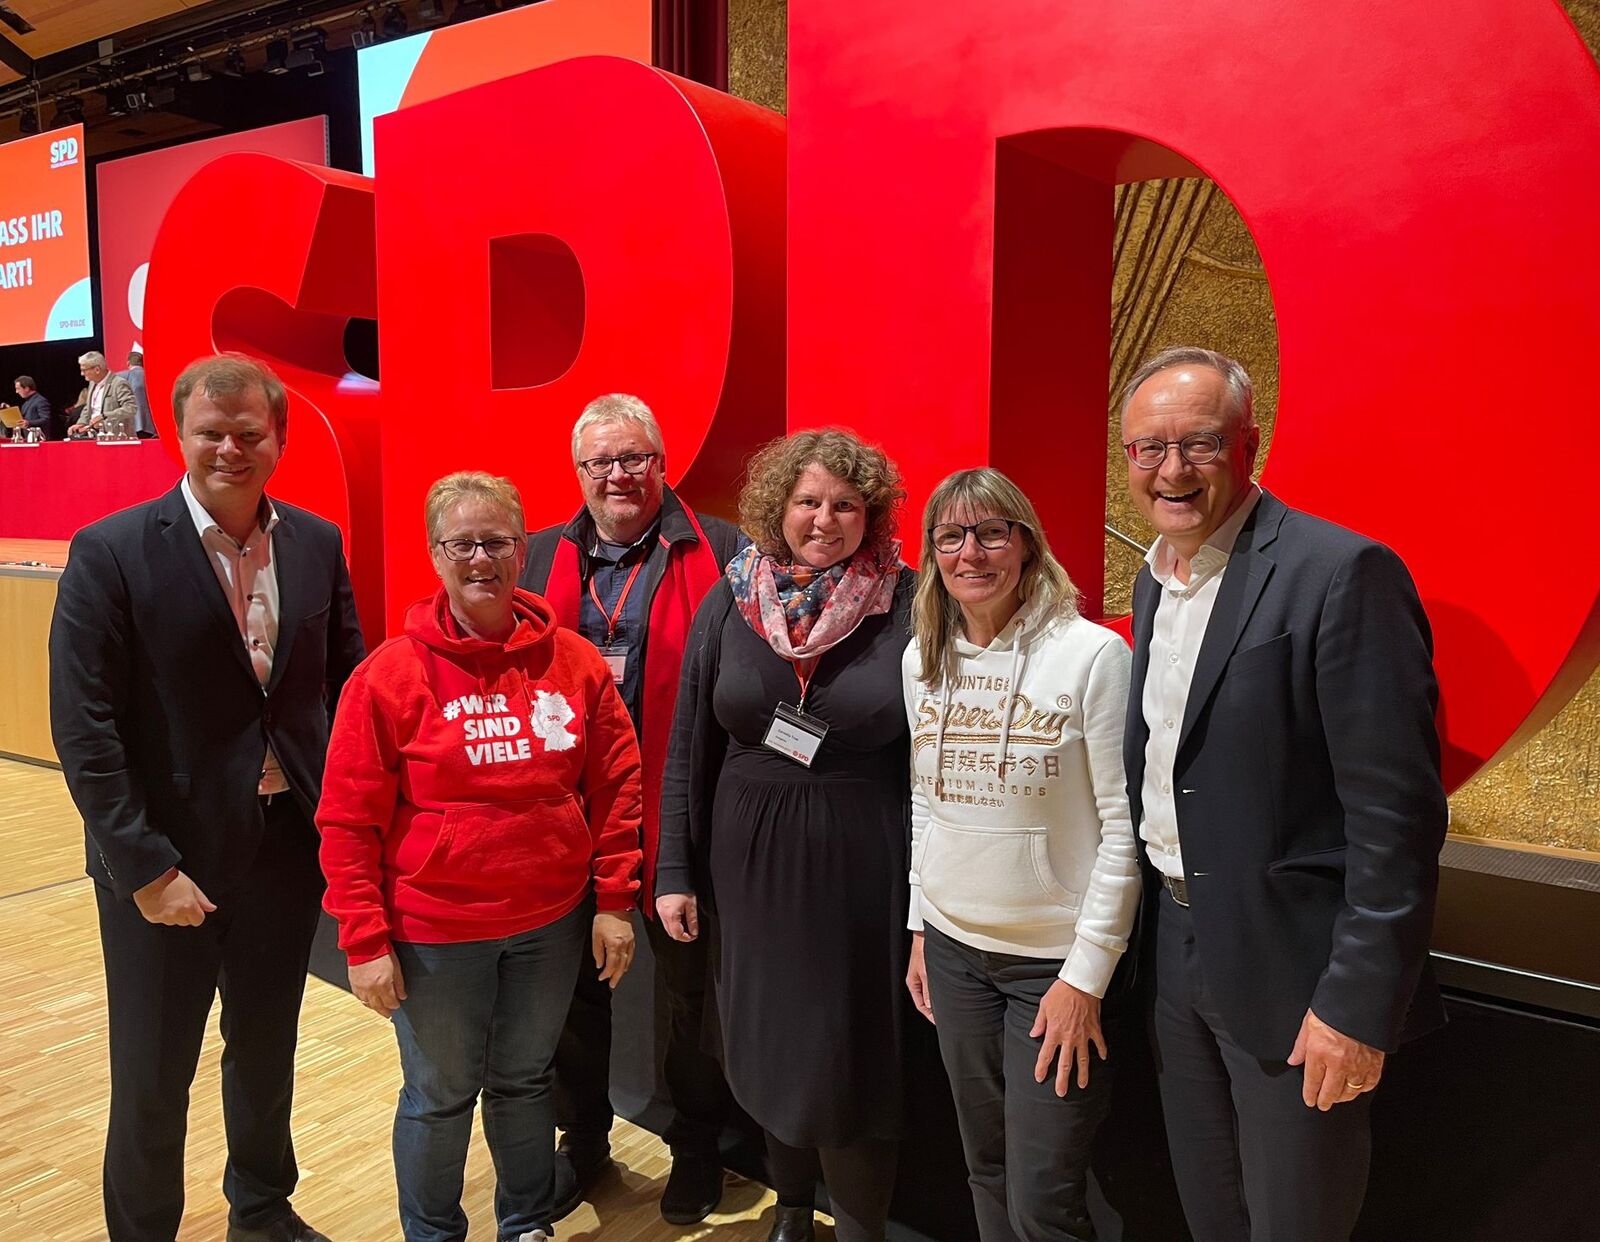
1198, 449
631, 463
991, 533
500, 548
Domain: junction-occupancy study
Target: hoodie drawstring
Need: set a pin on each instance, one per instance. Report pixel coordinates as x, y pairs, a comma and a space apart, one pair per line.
944, 715
1011, 695
1008, 703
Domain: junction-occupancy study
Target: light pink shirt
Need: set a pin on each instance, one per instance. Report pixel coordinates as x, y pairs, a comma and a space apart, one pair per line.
249, 580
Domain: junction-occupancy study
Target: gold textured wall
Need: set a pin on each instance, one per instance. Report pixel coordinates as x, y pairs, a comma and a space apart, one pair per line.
1187, 272
758, 45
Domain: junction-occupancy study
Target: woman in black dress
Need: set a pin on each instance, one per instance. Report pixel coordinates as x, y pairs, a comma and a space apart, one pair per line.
785, 810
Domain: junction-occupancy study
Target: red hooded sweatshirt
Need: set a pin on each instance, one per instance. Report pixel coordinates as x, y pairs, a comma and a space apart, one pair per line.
476, 790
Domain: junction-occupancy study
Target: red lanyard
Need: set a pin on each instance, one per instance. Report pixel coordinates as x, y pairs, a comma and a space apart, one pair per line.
612, 617
804, 679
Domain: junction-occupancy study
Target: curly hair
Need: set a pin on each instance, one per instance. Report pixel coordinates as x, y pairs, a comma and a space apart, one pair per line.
772, 473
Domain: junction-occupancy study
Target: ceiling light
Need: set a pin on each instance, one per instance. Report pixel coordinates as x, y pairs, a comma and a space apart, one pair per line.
366, 34
394, 22
277, 57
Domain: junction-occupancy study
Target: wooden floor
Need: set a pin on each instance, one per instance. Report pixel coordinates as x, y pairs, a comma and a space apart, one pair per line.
53, 1081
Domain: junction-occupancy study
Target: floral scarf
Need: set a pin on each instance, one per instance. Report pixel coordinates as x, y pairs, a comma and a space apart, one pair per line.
801, 611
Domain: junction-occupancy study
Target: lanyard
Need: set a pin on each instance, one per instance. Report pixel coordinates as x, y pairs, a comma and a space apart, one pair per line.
804, 679
613, 617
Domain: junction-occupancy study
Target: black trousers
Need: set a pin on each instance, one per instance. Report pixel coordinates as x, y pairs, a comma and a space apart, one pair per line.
1027, 1148
695, 1085
1252, 1162
859, 1180
160, 984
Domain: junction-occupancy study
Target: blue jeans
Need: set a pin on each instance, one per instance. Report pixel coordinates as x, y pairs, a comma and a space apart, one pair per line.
482, 1016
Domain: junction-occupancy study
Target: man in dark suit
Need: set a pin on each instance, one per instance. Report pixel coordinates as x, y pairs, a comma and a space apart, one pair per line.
1283, 767
198, 647
628, 573
36, 411
144, 422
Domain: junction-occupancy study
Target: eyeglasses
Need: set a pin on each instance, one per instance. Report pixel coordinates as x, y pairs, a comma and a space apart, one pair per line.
631, 463
991, 533
500, 548
1198, 449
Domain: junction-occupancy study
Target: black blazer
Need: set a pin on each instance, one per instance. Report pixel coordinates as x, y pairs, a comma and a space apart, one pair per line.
1307, 782
158, 719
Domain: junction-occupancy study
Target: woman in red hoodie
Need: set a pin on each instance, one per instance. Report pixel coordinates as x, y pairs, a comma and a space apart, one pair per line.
480, 822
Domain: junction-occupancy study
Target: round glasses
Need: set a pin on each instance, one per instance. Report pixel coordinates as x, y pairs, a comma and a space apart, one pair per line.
631, 463
991, 533
501, 548
1198, 449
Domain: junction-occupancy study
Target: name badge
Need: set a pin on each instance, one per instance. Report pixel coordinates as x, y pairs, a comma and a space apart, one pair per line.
795, 735
616, 659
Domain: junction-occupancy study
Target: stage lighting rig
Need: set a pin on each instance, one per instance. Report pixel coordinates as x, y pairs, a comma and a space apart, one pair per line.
28, 119
233, 63
69, 111
366, 34
309, 46
394, 22
277, 62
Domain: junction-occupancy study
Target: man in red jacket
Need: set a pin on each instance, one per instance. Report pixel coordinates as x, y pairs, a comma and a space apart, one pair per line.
628, 573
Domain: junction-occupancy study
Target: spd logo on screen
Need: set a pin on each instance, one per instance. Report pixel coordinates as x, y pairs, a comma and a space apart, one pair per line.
64, 153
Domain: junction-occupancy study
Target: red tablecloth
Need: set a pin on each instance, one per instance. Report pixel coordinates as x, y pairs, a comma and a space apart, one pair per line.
49, 491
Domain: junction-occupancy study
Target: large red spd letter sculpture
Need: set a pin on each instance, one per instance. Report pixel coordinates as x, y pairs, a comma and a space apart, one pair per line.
592, 227
274, 258
1422, 193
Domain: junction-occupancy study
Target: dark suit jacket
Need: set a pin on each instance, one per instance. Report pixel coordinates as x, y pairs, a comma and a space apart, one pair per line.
36, 412
1307, 783
158, 718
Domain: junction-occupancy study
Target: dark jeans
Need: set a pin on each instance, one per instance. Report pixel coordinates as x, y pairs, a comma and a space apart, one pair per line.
1252, 1162
1027, 1148
482, 1016
699, 1095
160, 984
859, 1180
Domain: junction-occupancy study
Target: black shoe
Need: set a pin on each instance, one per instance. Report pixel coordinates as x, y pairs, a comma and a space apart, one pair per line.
290, 1229
793, 1224
693, 1191
576, 1174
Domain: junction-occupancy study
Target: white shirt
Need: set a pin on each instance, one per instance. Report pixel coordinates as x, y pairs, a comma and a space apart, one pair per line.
1182, 614
97, 397
249, 580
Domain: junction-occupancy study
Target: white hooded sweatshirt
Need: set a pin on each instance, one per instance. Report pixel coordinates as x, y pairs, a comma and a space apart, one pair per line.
1020, 834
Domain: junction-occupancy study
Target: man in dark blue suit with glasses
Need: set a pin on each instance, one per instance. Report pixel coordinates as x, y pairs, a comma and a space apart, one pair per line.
1283, 768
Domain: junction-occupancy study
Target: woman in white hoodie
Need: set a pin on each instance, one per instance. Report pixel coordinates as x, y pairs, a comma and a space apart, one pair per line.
1024, 872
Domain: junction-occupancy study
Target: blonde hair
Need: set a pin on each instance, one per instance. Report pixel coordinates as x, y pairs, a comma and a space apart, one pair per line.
777, 466
451, 490
612, 410
227, 377
935, 617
